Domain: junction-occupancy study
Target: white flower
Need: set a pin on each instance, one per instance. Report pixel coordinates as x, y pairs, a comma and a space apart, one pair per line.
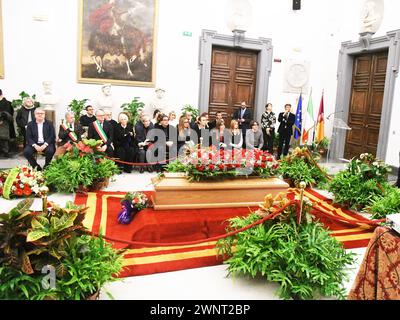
376, 164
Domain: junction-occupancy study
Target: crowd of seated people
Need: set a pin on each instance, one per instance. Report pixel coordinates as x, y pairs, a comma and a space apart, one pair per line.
158, 138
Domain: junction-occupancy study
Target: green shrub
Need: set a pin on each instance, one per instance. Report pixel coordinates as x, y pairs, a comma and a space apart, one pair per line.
302, 258
389, 203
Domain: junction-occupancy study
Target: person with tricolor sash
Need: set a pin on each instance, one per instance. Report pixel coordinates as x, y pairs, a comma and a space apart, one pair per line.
70, 132
102, 130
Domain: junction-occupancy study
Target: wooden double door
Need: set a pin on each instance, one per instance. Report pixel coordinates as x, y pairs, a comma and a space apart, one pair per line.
233, 80
368, 87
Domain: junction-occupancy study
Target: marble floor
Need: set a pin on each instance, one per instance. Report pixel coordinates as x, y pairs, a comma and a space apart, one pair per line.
208, 283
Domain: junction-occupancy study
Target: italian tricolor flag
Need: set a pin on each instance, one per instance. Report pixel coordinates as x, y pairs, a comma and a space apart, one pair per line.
309, 123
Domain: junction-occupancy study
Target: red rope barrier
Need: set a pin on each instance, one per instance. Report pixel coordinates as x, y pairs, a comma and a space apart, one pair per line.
140, 164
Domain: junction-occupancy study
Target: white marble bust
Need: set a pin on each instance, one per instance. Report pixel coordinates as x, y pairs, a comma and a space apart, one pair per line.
372, 16
47, 99
105, 100
158, 102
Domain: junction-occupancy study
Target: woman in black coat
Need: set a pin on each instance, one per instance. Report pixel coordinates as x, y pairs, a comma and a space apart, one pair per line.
124, 142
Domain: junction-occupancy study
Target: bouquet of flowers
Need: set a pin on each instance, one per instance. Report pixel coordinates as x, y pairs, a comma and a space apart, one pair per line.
213, 164
21, 181
131, 205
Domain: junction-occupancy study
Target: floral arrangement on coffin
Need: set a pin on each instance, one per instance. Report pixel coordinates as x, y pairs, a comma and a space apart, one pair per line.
49, 255
301, 166
132, 204
82, 168
21, 181
214, 164
364, 179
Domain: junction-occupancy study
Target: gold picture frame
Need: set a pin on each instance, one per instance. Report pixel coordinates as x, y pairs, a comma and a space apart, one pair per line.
1, 42
118, 42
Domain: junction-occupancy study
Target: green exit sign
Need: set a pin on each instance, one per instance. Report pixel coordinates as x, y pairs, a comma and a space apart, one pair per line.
187, 34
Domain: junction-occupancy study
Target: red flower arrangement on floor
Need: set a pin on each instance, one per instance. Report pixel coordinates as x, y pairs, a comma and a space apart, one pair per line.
21, 182
214, 164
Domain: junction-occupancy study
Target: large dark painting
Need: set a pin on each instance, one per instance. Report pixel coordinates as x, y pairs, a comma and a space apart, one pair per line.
118, 42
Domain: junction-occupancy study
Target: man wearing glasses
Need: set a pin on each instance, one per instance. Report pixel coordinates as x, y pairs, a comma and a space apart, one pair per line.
102, 130
41, 138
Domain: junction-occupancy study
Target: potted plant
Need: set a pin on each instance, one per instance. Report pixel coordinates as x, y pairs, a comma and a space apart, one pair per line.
132, 204
82, 169
77, 106
17, 103
323, 146
49, 255
290, 249
189, 108
133, 110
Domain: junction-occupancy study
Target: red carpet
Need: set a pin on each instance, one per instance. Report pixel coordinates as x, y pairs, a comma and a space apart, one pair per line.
188, 225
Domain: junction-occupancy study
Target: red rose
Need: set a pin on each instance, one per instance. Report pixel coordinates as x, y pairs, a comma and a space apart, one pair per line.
238, 165
256, 165
264, 158
221, 167
275, 166
18, 192
270, 159
198, 154
200, 168
263, 165
211, 167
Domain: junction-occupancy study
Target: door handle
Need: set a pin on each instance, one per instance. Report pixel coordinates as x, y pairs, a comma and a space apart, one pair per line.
367, 126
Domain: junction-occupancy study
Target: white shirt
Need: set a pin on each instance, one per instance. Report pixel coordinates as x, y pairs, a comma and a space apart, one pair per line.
40, 133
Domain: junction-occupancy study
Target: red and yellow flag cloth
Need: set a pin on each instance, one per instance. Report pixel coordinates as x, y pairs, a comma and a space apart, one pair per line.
321, 122
172, 226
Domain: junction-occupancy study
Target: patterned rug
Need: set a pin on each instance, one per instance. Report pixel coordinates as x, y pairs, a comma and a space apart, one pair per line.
179, 226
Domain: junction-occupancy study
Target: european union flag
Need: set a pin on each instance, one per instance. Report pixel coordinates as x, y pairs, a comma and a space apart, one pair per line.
299, 119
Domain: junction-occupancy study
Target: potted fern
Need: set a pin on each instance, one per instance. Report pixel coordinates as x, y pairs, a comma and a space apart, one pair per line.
49, 255
191, 109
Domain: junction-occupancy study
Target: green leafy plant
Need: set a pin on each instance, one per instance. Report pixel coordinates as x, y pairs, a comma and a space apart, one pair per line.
79, 169
17, 103
77, 106
323, 144
188, 108
133, 109
389, 203
55, 238
301, 166
303, 258
364, 179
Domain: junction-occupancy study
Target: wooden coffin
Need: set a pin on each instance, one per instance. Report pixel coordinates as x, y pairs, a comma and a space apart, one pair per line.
176, 192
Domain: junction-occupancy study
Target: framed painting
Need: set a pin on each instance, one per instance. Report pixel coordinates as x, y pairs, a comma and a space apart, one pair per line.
1, 43
117, 42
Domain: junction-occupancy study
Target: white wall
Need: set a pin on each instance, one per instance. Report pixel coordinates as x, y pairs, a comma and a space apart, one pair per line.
48, 50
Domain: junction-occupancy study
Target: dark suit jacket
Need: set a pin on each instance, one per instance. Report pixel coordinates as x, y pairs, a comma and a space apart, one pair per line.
63, 134
286, 126
141, 132
23, 115
248, 117
108, 130
32, 134
123, 137
5, 106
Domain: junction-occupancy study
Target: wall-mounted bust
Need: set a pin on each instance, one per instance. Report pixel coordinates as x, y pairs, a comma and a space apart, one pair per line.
158, 102
47, 99
372, 16
105, 100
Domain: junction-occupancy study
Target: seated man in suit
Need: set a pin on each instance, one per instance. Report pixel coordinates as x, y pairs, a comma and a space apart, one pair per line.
70, 131
102, 130
142, 143
40, 137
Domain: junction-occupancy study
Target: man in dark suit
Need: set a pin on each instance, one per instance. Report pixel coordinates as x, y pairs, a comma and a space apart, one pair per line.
213, 124
5, 106
287, 120
243, 116
40, 137
70, 131
142, 143
203, 132
102, 130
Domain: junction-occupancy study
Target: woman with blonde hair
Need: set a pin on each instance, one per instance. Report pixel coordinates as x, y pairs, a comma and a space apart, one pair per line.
185, 132
172, 119
236, 136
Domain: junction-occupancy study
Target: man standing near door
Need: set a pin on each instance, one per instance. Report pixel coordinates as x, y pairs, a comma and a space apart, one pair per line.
243, 116
287, 120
